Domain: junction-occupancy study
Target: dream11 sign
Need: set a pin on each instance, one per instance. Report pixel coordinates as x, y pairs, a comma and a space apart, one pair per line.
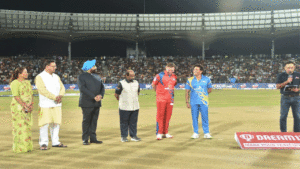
268, 140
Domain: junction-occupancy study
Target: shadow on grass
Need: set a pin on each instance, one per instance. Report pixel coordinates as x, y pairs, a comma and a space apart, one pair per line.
275, 159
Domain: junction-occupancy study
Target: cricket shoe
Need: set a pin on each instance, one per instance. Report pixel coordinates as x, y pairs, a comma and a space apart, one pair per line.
207, 135
168, 136
158, 136
195, 136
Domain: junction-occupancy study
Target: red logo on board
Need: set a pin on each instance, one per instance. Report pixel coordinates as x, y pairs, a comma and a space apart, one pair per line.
72, 87
6, 87
255, 86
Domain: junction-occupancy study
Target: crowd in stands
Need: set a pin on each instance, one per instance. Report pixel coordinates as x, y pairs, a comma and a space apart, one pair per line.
251, 68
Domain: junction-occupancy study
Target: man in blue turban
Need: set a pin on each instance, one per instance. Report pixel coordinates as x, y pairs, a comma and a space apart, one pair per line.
91, 93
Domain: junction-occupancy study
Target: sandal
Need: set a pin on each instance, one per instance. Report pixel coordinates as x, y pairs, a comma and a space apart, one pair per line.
44, 147
60, 145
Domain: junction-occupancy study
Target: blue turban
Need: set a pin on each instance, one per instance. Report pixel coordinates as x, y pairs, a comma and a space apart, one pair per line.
88, 65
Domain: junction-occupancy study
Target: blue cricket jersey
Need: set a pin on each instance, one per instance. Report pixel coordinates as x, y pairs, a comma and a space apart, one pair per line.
199, 94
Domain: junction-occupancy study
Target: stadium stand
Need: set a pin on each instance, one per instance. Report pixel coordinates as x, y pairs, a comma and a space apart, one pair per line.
246, 69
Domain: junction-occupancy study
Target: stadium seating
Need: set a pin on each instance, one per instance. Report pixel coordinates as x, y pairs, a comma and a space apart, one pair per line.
246, 69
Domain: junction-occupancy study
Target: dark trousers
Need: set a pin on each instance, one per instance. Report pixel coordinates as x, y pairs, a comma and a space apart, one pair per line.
285, 103
128, 118
89, 123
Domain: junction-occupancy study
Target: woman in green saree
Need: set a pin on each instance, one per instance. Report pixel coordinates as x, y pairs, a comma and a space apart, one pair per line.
21, 108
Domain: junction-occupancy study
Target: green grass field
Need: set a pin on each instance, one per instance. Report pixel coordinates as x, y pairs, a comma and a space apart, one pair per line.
230, 111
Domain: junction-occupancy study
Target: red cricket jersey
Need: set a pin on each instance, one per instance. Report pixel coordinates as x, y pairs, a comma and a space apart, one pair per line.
165, 86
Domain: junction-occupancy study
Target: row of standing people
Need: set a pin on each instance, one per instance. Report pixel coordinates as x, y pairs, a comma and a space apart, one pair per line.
127, 92
51, 91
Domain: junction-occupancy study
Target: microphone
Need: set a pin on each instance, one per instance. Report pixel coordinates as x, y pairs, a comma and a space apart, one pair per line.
290, 76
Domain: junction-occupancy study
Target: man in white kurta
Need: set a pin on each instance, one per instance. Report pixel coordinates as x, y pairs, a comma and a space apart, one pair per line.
51, 90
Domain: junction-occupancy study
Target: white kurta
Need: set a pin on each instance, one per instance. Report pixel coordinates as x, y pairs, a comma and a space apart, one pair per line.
49, 87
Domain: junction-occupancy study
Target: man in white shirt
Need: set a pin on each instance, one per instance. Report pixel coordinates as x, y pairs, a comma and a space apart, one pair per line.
127, 93
51, 90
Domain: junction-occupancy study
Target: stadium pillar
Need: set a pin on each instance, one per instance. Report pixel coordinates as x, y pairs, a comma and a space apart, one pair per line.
137, 50
69, 51
203, 36
203, 50
272, 34
273, 49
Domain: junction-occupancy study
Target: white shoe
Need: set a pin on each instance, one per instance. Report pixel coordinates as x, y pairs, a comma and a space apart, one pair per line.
159, 136
168, 136
207, 135
195, 135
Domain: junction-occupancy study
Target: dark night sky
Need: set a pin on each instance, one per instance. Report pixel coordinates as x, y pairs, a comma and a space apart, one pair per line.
157, 47
152, 6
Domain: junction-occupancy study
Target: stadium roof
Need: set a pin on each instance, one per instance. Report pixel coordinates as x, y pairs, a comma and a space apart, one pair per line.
135, 27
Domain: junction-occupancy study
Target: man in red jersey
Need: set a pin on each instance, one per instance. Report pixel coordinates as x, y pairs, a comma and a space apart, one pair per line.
164, 84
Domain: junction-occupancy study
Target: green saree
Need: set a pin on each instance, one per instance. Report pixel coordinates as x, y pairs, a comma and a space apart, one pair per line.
22, 122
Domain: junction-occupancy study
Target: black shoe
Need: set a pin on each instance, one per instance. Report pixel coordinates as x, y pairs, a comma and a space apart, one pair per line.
97, 142
135, 138
86, 142
124, 139
60, 145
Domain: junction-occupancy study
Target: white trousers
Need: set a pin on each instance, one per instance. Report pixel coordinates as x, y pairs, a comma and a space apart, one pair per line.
54, 131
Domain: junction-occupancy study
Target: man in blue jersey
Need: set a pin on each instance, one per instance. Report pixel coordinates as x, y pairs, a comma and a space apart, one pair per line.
197, 89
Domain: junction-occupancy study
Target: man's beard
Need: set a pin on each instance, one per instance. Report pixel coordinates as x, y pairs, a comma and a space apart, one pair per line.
93, 71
